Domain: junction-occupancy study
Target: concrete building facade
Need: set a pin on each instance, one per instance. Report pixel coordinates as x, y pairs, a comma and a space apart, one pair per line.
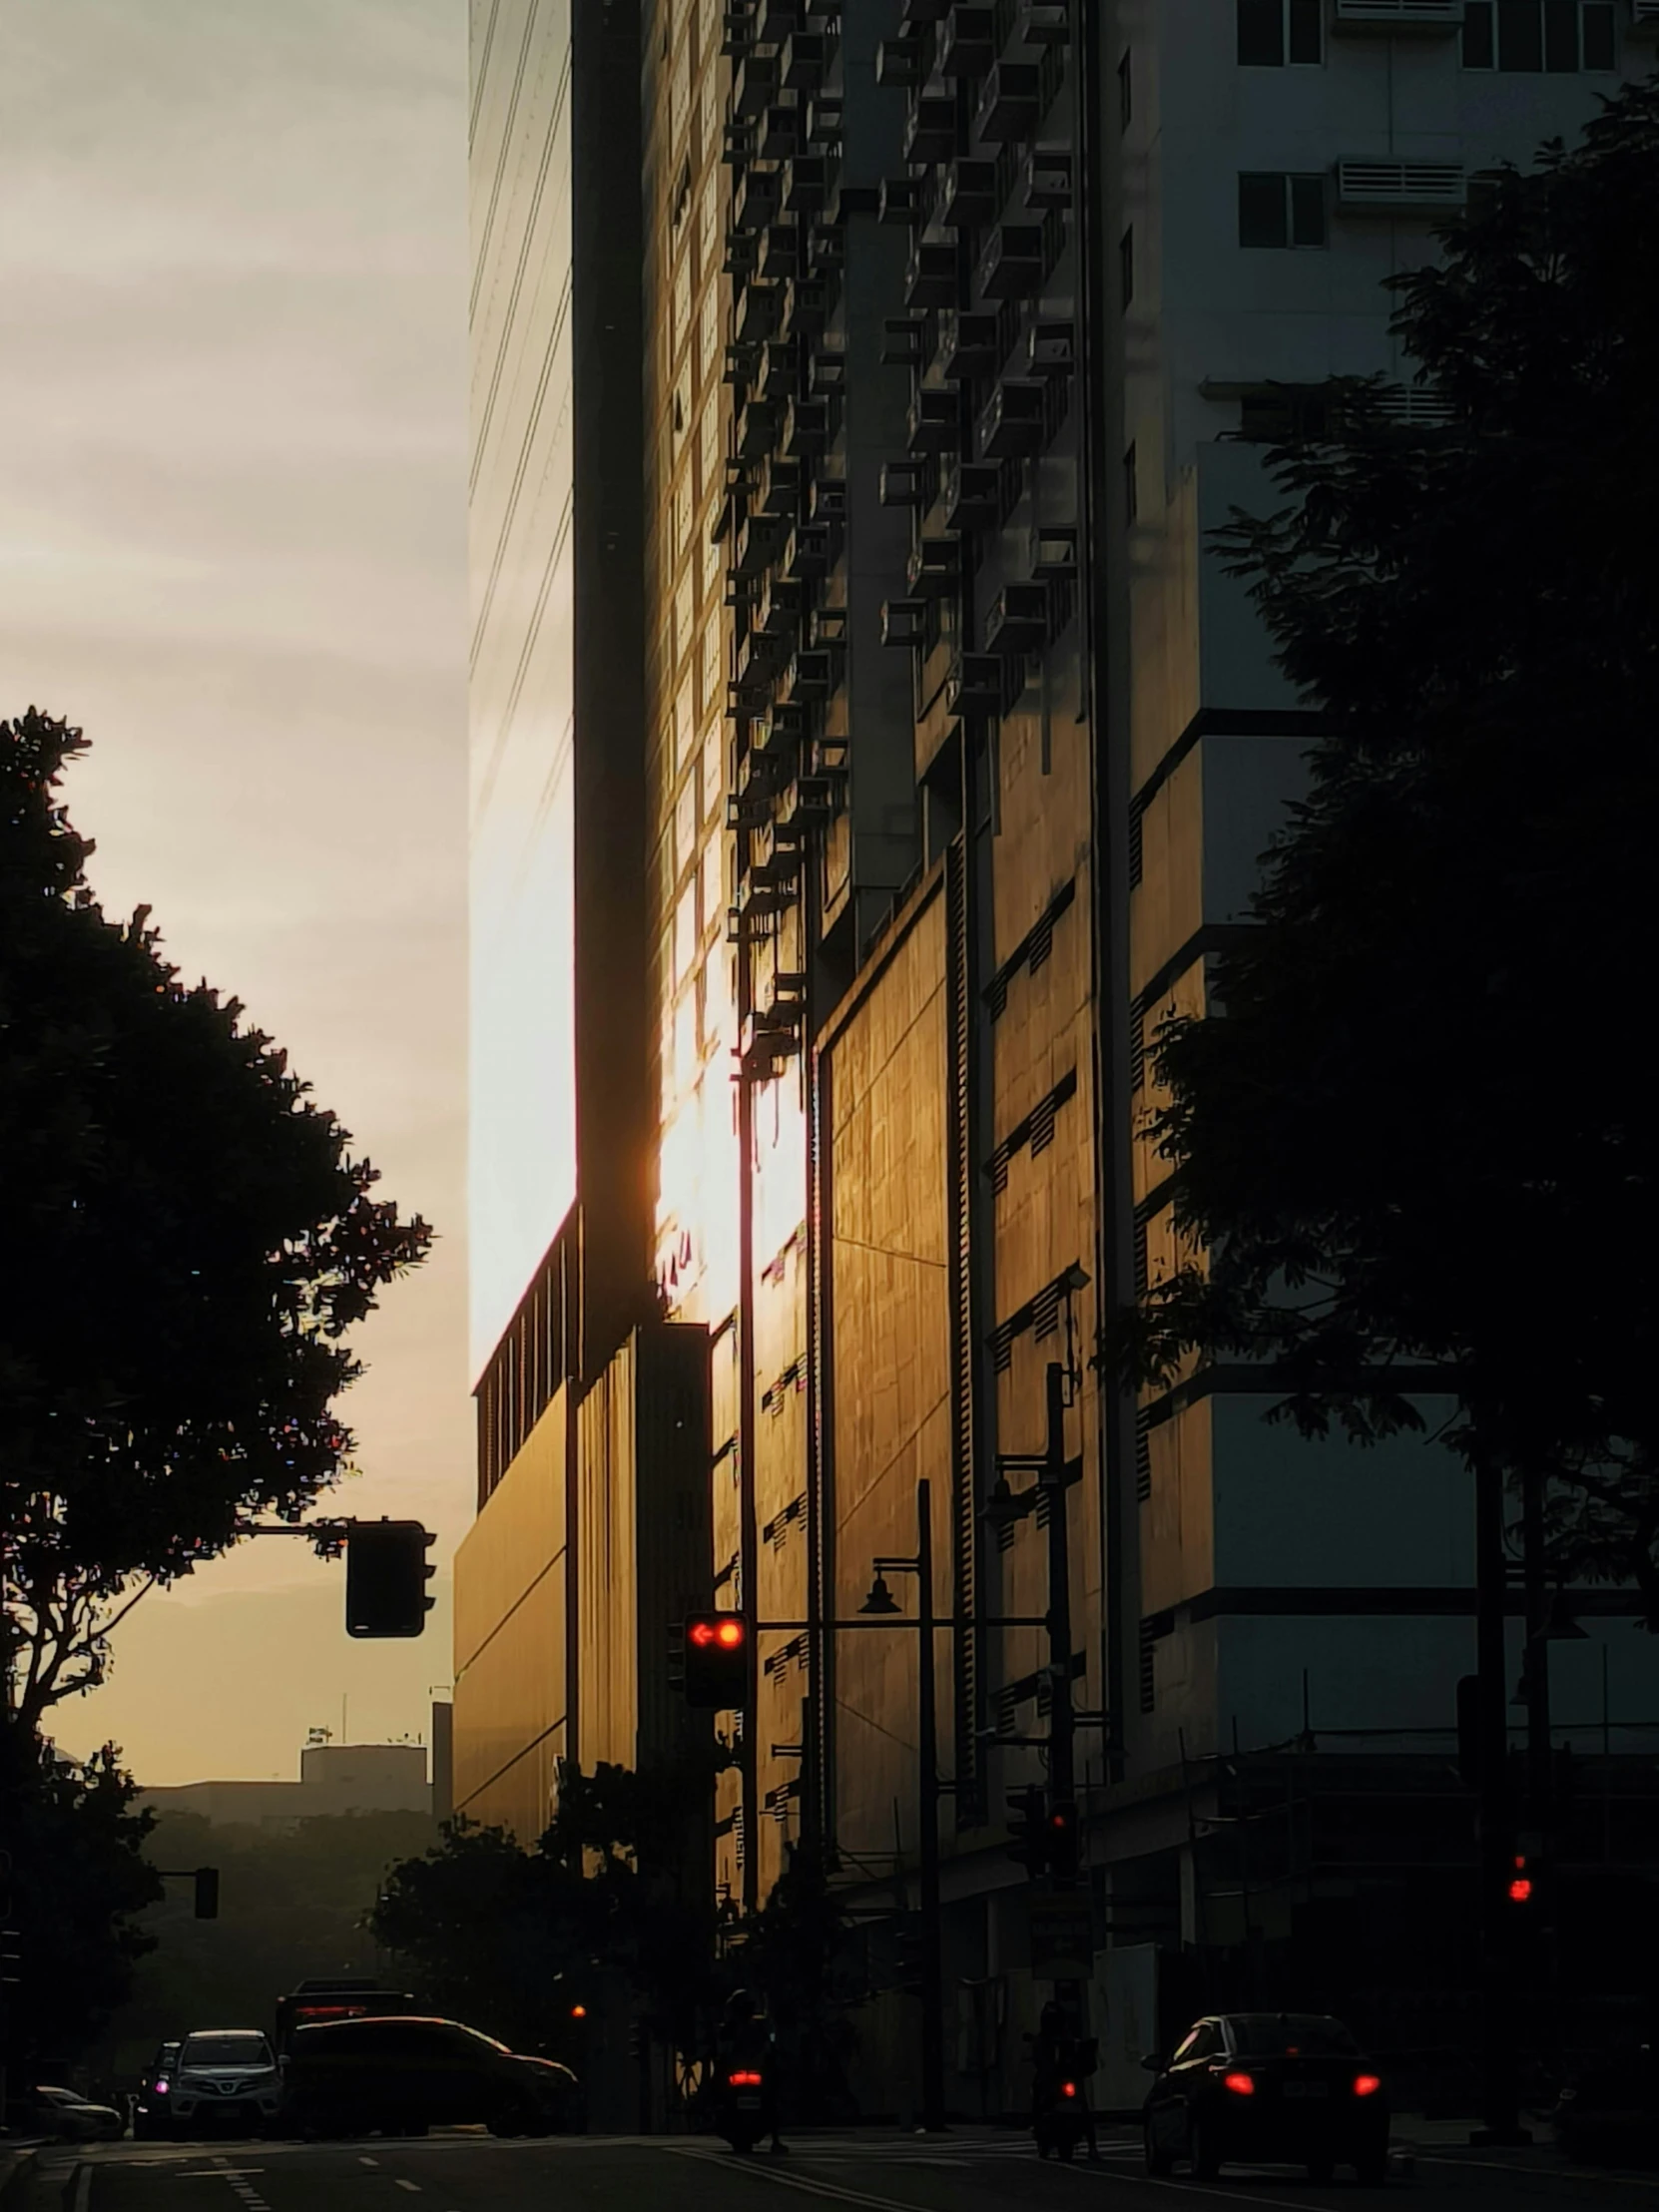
942, 764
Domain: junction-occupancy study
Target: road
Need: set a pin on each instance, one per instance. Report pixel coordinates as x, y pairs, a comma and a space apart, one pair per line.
968, 2170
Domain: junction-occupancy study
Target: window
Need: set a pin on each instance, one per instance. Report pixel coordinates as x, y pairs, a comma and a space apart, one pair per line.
1126, 267
1126, 92
1280, 209
1131, 501
1530, 36
1274, 32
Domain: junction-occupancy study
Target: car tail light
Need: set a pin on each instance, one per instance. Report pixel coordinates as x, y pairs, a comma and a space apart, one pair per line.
1069, 2089
744, 2080
1241, 2084
1367, 2085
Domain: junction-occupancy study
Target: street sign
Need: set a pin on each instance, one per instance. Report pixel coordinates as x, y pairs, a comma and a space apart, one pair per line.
1062, 1935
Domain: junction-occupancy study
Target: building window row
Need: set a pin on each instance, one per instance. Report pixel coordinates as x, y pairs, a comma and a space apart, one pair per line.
1526, 36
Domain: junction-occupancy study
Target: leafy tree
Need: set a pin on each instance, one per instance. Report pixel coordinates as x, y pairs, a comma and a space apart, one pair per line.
185, 1239
79, 1880
1418, 1147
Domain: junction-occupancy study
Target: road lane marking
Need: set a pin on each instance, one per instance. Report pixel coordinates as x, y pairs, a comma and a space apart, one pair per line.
769, 2169
414, 2185
83, 2187
1557, 2174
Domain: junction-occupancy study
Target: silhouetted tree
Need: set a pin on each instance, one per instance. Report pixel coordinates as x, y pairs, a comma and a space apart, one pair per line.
185, 1239
1417, 1148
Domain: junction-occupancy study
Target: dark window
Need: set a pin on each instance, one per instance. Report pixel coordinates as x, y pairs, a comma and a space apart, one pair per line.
1131, 499
1273, 32
1273, 2034
1126, 92
1126, 266
1528, 37
1280, 209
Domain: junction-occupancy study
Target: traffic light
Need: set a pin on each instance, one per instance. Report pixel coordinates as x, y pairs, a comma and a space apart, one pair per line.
717, 1661
1063, 1833
1028, 1829
1519, 1885
385, 1578
11, 1957
207, 1893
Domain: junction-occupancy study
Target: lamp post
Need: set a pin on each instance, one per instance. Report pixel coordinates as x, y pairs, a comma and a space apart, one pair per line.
881, 1601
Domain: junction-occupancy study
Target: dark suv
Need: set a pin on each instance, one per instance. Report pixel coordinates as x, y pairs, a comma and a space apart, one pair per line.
404, 2075
1290, 2086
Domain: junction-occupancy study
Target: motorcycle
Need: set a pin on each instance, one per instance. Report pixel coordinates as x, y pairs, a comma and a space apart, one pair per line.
1060, 2118
741, 2113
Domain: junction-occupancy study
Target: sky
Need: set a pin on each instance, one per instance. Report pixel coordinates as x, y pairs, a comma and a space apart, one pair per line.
233, 328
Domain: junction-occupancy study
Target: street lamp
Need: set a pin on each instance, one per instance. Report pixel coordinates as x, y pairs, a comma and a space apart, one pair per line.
881, 1601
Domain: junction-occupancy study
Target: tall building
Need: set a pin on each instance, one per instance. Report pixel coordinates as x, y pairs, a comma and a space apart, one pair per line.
921, 754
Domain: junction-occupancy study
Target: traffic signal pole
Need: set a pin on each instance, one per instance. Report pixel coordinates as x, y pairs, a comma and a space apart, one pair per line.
1500, 2086
1061, 1727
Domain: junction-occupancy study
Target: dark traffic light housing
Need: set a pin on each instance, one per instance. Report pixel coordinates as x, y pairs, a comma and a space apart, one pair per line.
386, 1577
717, 1661
1062, 1830
1027, 1828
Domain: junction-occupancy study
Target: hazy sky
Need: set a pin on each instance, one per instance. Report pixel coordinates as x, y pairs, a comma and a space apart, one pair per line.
232, 547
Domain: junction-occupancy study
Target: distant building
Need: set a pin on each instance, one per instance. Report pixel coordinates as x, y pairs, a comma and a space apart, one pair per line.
333, 1778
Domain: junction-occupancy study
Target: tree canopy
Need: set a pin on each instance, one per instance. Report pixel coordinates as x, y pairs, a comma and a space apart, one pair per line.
185, 1239
1410, 1141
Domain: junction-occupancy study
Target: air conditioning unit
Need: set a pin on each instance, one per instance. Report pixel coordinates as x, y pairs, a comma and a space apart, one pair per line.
1010, 106
971, 344
806, 550
972, 195
1398, 15
760, 314
755, 81
777, 133
971, 496
1051, 348
780, 255
902, 341
1401, 187
968, 43
823, 122
1018, 620
757, 428
905, 622
775, 368
935, 421
900, 201
1046, 23
827, 500
977, 686
757, 199
1644, 17
899, 63
1048, 178
1014, 421
1013, 262
805, 427
930, 278
804, 60
809, 185
935, 566
930, 133
904, 483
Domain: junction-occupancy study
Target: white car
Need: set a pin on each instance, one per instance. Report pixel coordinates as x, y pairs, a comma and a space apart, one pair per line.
73, 2120
224, 2077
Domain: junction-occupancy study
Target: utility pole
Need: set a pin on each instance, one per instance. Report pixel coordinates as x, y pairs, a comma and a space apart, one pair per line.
1500, 2087
932, 1964
1053, 1483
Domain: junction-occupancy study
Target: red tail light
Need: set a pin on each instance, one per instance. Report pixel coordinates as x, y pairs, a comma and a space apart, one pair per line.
1241, 2084
1069, 2089
744, 2080
1367, 2085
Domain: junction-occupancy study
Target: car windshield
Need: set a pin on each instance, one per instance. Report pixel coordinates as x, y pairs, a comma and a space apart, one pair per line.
243, 2049
1291, 2034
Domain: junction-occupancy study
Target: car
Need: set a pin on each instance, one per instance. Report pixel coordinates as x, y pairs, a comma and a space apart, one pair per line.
224, 2077
151, 2114
74, 2119
404, 2074
1289, 2088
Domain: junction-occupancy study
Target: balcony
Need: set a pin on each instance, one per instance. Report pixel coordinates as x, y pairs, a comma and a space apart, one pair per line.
905, 622
808, 550
755, 81
900, 201
969, 43
807, 427
976, 686
1400, 187
803, 59
757, 428
902, 338
935, 567
1051, 348
1047, 178
827, 500
809, 185
1397, 15
904, 483
969, 345
760, 312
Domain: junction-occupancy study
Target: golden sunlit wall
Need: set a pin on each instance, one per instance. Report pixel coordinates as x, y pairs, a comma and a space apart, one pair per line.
521, 558
509, 1719
688, 632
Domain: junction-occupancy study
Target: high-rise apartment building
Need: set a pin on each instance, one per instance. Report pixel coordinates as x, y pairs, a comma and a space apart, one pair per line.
921, 755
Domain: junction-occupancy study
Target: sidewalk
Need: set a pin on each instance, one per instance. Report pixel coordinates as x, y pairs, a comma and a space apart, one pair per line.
1447, 2142
15, 2159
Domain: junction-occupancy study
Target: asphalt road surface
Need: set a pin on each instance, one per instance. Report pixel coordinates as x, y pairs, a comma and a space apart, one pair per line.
967, 2170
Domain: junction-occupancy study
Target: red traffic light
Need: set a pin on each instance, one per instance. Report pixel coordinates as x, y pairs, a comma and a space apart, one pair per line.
1520, 1883
717, 1660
